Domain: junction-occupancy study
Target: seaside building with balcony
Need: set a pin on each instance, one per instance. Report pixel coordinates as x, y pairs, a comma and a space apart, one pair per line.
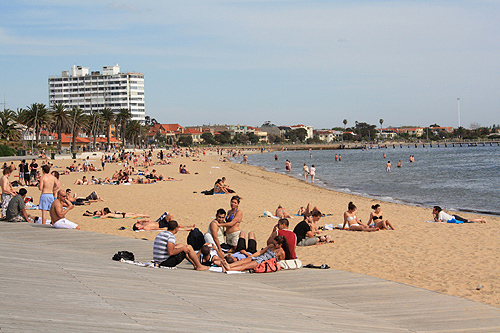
94, 91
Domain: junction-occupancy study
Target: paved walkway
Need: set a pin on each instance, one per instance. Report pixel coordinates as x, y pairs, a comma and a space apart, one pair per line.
65, 280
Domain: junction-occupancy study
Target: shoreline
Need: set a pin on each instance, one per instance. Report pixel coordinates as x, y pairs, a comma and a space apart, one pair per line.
322, 184
453, 259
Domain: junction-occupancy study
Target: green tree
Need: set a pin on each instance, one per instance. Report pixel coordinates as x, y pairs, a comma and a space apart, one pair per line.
133, 131
223, 138
185, 141
35, 116
79, 122
253, 138
108, 117
8, 128
298, 134
61, 121
122, 118
208, 138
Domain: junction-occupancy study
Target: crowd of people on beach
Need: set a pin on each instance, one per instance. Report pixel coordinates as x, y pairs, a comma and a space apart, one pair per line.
225, 244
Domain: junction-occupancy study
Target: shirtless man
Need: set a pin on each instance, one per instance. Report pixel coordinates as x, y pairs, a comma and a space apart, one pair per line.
7, 190
215, 233
47, 186
57, 213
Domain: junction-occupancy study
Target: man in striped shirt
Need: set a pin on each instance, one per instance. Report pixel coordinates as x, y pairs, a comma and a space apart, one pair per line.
169, 254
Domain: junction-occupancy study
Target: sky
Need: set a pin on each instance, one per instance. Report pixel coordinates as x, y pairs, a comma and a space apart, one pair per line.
288, 62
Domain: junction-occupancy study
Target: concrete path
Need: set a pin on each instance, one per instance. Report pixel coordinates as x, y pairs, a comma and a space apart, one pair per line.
65, 280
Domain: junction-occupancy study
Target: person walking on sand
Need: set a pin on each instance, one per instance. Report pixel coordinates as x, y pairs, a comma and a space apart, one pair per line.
312, 173
47, 186
305, 169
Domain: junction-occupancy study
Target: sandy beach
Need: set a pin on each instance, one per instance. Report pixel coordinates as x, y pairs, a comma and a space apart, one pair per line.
448, 258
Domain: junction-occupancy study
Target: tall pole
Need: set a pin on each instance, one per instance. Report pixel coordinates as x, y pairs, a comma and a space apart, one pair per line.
458, 105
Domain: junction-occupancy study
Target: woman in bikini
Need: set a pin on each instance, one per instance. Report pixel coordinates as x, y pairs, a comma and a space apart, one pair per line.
282, 213
277, 250
378, 221
352, 220
232, 222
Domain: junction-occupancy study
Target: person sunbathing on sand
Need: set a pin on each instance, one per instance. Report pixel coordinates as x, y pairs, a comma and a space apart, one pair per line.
378, 221
307, 209
148, 225
106, 213
440, 216
82, 181
352, 220
277, 250
282, 213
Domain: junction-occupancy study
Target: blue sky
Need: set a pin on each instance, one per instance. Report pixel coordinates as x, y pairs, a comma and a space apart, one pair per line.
289, 62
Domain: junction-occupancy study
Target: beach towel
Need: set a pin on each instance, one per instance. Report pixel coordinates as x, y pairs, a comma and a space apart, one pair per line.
339, 226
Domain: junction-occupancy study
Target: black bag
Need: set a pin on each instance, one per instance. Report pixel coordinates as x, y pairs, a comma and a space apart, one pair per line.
125, 255
196, 239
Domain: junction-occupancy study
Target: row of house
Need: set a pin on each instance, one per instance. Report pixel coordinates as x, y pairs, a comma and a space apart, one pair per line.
391, 132
172, 132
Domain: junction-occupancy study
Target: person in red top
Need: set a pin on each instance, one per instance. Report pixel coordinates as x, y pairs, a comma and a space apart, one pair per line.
281, 229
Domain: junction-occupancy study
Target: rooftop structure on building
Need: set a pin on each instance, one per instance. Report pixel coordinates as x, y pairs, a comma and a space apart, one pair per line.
95, 91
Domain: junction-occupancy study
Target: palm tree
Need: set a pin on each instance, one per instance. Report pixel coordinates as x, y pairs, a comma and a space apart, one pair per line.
79, 123
8, 128
108, 117
133, 131
61, 121
36, 116
122, 118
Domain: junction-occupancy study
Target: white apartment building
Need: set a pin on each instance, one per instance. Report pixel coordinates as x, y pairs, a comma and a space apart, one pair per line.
96, 91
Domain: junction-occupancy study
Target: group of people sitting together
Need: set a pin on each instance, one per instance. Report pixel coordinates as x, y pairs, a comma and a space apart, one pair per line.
227, 246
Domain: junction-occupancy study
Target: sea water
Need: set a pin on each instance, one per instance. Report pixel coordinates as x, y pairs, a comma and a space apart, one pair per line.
455, 178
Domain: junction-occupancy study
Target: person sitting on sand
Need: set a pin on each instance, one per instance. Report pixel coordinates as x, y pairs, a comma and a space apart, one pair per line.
167, 253
282, 213
206, 255
215, 233
306, 232
277, 250
16, 210
219, 188
352, 220
440, 216
307, 209
378, 221
58, 213
232, 222
281, 229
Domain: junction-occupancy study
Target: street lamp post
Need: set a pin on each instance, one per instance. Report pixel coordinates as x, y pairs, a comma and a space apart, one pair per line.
458, 106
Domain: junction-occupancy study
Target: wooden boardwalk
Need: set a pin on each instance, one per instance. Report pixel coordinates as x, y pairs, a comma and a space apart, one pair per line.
65, 280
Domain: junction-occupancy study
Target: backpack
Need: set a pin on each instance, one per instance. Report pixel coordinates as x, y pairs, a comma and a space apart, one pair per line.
125, 255
267, 266
196, 239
